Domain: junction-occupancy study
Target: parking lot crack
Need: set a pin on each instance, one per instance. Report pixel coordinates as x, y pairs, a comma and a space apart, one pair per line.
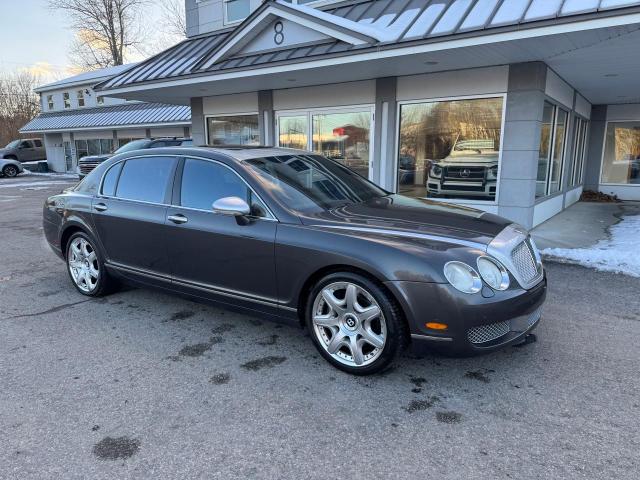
49, 310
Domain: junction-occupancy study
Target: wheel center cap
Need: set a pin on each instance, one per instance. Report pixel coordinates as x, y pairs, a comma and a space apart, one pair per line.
351, 322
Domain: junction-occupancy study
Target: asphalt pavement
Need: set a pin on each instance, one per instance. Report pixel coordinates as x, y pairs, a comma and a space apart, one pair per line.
143, 384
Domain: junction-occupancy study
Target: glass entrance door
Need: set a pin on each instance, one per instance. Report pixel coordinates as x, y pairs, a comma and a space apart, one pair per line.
343, 135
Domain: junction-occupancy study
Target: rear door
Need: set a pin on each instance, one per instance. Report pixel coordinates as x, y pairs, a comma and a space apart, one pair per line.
26, 151
130, 214
214, 255
40, 151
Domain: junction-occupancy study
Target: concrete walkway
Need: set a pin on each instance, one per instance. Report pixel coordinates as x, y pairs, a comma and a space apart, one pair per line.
582, 225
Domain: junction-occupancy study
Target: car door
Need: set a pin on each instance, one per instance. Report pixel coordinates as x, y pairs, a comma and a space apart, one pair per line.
215, 255
40, 153
26, 151
129, 216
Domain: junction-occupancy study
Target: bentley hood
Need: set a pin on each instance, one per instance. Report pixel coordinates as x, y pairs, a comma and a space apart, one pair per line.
405, 216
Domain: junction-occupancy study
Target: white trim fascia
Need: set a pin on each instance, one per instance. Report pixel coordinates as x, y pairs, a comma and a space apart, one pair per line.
109, 127
483, 39
246, 34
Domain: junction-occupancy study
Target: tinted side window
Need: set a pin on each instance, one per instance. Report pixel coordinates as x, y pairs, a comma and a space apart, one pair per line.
205, 182
146, 179
110, 180
38, 143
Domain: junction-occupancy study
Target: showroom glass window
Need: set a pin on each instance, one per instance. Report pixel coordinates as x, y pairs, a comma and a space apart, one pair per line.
621, 162
204, 182
233, 130
450, 149
551, 150
145, 179
293, 132
580, 130
342, 135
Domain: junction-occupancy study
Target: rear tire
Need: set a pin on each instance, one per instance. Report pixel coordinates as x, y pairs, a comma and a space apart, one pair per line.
10, 171
85, 265
354, 323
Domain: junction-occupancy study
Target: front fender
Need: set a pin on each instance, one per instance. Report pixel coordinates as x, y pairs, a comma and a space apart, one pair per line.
303, 250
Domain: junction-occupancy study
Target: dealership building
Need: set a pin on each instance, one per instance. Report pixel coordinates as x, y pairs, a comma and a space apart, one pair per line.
509, 106
76, 122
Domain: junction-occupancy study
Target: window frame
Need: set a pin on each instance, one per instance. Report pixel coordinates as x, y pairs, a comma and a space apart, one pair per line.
80, 98
310, 112
66, 100
552, 150
168, 190
50, 103
604, 151
580, 144
226, 20
176, 197
459, 201
222, 115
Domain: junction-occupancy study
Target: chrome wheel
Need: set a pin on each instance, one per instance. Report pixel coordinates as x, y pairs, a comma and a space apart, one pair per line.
83, 264
349, 324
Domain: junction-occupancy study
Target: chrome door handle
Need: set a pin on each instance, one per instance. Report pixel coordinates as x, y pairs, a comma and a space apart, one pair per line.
101, 207
178, 219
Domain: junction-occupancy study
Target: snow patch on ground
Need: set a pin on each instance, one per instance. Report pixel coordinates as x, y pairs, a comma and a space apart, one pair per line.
34, 184
619, 253
71, 176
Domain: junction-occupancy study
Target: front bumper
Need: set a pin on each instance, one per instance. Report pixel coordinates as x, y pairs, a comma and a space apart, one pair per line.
475, 323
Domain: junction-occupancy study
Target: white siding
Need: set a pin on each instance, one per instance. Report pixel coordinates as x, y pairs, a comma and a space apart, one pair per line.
229, 104
558, 89
478, 81
618, 113
332, 95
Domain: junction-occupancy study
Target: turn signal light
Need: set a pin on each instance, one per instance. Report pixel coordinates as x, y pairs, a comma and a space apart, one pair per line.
436, 326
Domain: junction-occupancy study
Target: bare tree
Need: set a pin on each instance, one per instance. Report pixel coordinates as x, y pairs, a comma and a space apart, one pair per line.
106, 30
18, 103
174, 18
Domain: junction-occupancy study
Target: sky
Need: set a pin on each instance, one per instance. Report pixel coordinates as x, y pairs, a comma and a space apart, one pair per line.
34, 37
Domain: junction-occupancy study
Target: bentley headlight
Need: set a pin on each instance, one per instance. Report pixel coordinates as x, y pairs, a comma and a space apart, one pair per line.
463, 277
493, 273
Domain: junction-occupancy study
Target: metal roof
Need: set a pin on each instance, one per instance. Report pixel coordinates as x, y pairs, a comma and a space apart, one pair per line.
89, 78
134, 114
387, 22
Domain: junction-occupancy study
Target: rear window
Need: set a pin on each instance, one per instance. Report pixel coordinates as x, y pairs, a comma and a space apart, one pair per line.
110, 180
38, 143
146, 179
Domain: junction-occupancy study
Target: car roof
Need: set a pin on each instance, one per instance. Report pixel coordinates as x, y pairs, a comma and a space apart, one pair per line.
248, 152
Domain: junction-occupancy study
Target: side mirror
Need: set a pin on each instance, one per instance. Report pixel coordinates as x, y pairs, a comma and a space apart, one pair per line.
234, 206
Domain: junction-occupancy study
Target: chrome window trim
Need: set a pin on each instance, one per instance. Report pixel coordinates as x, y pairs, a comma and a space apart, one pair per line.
271, 218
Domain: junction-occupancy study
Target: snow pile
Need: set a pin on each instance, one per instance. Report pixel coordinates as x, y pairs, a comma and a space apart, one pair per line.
71, 176
619, 253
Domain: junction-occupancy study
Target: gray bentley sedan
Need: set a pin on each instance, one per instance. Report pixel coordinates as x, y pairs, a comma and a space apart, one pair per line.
291, 234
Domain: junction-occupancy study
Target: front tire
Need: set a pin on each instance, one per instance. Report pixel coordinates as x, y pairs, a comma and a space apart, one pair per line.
10, 171
86, 266
355, 324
